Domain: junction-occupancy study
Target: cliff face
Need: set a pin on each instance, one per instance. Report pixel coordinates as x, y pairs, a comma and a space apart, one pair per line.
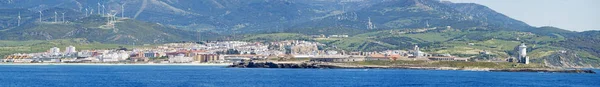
568, 60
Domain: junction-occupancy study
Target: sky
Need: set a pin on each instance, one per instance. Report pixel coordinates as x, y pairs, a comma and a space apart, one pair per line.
574, 15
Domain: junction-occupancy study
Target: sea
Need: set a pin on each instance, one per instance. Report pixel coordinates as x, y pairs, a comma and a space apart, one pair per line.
219, 76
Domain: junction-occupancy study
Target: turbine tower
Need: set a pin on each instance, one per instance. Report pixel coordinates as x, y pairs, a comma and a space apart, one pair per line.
40, 16
427, 23
86, 12
55, 17
103, 11
98, 8
63, 17
122, 10
19, 19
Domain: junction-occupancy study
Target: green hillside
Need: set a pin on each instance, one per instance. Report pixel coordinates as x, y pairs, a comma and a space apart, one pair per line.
95, 29
542, 48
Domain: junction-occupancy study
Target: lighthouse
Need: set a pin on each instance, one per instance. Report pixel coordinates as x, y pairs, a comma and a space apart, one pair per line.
523, 54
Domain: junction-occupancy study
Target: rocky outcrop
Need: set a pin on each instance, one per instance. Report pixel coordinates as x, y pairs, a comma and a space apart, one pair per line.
567, 59
275, 65
344, 66
545, 70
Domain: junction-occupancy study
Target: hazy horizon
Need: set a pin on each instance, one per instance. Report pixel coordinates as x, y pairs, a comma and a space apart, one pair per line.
574, 15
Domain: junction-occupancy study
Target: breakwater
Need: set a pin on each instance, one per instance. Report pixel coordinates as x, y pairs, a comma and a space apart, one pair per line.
343, 66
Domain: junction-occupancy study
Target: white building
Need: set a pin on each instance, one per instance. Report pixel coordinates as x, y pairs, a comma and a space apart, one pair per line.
180, 58
109, 57
417, 52
54, 50
70, 49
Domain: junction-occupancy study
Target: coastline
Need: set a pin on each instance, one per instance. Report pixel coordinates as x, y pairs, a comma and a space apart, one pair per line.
119, 64
344, 66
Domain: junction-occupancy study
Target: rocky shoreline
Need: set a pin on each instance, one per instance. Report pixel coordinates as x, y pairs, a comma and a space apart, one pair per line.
343, 66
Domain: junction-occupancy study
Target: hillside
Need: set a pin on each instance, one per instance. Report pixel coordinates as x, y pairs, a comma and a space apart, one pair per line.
543, 49
461, 29
291, 16
95, 28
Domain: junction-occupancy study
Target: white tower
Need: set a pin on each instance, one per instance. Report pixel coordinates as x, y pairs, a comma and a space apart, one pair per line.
523, 54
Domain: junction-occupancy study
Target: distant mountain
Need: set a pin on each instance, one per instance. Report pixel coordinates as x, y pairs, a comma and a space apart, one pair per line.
212, 15
407, 14
234, 17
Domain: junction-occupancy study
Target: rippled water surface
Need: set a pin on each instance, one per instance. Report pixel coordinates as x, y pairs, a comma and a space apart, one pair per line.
164, 76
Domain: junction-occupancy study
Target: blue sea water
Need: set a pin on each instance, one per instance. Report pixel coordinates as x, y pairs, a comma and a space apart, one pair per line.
209, 76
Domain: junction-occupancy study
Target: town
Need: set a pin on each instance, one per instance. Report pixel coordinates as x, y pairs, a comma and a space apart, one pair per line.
232, 52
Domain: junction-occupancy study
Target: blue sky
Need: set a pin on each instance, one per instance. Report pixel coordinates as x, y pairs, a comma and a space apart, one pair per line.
575, 15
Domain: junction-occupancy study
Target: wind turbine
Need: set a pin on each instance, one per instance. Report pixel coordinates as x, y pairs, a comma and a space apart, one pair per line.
19, 19
63, 17
108, 20
86, 12
103, 11
55, 17
122, 9
427, 23
98, 8
40, 16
